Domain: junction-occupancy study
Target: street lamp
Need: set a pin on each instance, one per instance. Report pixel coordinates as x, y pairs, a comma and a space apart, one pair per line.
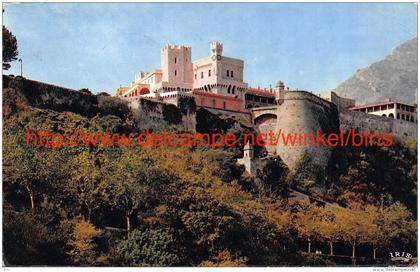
21, 73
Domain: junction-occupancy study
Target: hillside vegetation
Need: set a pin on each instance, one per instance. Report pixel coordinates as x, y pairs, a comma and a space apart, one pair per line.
143, 206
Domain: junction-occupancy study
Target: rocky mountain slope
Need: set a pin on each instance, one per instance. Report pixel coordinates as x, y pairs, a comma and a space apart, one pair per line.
394, 77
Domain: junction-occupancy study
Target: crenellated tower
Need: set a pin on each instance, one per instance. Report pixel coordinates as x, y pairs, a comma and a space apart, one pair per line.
176, 64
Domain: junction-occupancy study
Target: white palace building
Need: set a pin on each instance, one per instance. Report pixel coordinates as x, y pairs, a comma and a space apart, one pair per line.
215, 81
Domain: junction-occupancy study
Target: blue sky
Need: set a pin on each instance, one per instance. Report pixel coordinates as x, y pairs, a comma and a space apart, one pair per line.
309, 46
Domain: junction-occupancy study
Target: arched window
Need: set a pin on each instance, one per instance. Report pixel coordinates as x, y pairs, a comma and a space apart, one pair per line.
175, 59
231, 73
227, 73
202, 75
195, 76
403, 116
391, 115
209, 72
398, 115
175, 72
384, 115
412, 119
228, 89
233, 90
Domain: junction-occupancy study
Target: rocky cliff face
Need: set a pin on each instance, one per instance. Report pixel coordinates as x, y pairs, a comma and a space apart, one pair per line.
394, 77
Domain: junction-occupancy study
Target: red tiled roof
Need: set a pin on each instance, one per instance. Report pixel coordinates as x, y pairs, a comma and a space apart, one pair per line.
260, 92
375, 105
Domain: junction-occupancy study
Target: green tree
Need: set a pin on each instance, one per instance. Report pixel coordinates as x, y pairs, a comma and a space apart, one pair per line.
86, 180
155, 247
84, 248
85, 90
23, 238
223, 259
398, 225
274, 175
10, 48
307, 219
206, 219
37, 170
371, 175
387, 224
377, 236
132, 183
356, 225
328, 227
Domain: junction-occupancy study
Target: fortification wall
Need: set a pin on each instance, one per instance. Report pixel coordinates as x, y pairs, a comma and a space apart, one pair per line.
362, 121
304, 95
49, 96
155, 113
302, 112
265, 124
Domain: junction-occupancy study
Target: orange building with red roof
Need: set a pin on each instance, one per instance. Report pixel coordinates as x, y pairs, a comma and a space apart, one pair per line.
218, 101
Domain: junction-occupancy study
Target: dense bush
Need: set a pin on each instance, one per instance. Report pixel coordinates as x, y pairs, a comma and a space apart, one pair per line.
155, 247
112, 106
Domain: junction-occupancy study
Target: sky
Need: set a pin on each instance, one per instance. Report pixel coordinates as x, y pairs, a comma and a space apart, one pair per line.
310, 46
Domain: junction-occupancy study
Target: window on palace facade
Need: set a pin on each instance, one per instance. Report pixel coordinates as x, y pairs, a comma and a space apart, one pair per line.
195, 76
175, 72
175, 59
227, 73
209, 72
231, 73
202, 75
